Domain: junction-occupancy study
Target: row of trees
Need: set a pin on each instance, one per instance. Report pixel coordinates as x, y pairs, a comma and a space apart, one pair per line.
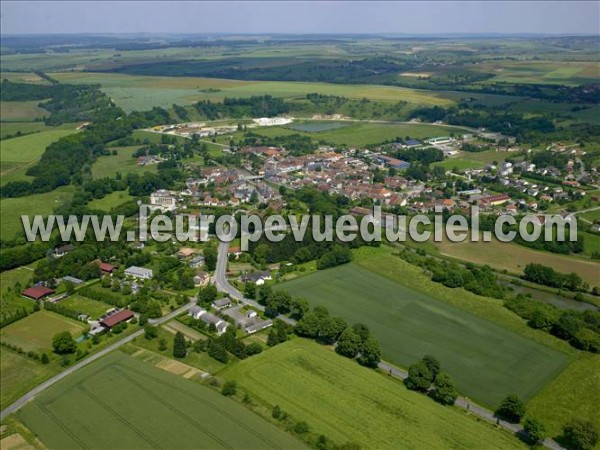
547, 276
426, 373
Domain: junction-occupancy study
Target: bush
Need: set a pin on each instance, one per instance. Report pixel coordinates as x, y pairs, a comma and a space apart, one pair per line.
277, 413
229, 388
580, 435
150, 332
63, 343
301, 428
535, 429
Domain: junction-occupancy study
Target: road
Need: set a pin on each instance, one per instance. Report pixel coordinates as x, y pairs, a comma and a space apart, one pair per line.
68, 371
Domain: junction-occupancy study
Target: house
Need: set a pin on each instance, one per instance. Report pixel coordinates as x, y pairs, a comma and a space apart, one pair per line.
256, 324
163, 200
201, 278
221, 303
251, 314
116, 318
412, 143
595, 228
75, 281
185, 252
256, 277
210, 319
37, 292
139, 272
234, 251
393, 162
62, 250
105, 267
196, 262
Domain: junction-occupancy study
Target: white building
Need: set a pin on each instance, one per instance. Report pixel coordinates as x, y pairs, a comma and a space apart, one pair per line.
139, 272
272, 121
163, 200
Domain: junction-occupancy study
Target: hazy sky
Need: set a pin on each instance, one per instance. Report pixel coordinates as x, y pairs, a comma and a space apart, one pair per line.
558, 17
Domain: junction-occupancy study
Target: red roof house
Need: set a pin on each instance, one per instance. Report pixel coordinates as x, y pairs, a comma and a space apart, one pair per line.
37, 292
117, 318
105, 267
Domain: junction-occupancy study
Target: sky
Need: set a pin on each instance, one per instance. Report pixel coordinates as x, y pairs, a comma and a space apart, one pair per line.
416, 17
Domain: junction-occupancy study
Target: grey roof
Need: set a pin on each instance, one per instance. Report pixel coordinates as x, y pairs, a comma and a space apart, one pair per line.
221, 302
72, 279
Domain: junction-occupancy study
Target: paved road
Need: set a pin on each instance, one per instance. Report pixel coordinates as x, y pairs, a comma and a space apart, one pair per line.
56, 378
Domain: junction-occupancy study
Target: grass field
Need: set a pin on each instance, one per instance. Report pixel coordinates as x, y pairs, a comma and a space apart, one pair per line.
19, 374
349, 403
122, 162
22, 274
514, 258
133, 92
487, 361
120, 402
35, 331
21, 111
461, 164
11, 128
560, 72
44, 204
110, 201
575, 393
84, 305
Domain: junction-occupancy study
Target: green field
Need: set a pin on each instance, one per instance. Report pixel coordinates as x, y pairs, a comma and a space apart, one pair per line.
44, 204
35, 331
487, 361
123, 162
575, 393
11, 128
461, 164
18, 375
120, 402
349, 403
84, 305
21, 275
110, 201
22, 111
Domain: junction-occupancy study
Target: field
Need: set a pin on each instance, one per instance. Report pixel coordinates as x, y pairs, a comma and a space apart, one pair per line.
110, 201
349, 403
410, 324
461, 164
11, 128
133, 92
122, 162
19, 374
21, 152
574, 393
514, 258
120, 402
43, 204
85, 305
560, 72
21, 111
35, 331
22, 275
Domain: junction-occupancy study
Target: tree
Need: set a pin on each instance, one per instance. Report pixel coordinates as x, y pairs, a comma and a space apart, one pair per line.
276, 412
535, 429
162, 345
63, 343
179, 348
150, 332
349, 343
143, 320
217, 351
44, 359
445, 391
362, 330
273, 338
229, 388
210, 256
370, 353
301, 428
433, 364
299, 307
511, 409
419, 377
581, 435
207, 294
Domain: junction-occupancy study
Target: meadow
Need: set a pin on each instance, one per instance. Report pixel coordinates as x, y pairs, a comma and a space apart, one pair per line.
123, 162
110, 201
21, 275
349, 403
487, 360
12, 128
35, 332
22, 111
84, 305
121, 402
514, 257
43, 204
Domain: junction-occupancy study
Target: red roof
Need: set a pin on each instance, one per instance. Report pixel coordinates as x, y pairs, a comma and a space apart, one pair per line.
105, 267
117, 317
37, 292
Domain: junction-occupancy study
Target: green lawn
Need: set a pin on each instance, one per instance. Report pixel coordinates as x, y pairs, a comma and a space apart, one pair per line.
462, 164
35, 331
121, 402
350, 403
487, 361
122, 162
85, 305
22, 275
11, 209
110, 201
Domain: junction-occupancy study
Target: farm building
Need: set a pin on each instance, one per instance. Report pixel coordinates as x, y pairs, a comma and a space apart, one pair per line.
116, 318
393, 162
139, 272
70, 279
105, 267
37, 292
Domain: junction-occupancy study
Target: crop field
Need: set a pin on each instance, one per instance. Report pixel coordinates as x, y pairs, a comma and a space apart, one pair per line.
560, 72
122, 162
107, 405
21, 111
12, 128
514, 258
19, 374
575, 393
22, 77
350, 403
43, 204
487, 361
133, 92
84, 305
35, 331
